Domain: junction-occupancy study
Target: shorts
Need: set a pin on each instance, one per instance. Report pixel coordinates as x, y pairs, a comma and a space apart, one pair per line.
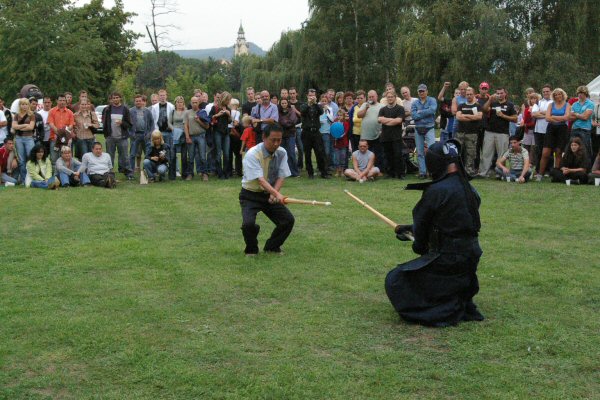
556, 136
528, 138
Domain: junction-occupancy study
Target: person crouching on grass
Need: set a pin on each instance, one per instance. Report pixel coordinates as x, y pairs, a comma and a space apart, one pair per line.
156, 161
265, 169
518, 156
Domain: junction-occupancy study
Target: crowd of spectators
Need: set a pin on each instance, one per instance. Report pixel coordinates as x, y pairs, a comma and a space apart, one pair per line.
360, 136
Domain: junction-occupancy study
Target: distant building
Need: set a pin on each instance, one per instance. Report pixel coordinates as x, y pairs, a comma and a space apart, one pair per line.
241, 47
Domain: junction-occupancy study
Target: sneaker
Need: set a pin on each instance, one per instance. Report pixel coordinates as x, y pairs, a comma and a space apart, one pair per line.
538, 178
178, 174
130, 178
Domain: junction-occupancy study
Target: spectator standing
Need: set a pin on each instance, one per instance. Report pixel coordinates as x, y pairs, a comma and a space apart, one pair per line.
391, 117
288, 120
5, 124
116, 122
311, 136
179, 138
423, 114
557, 133
528, 124
250, 102
220, 118
264, 113
195, 137
45, 112
356, 120
495, 141
23, 124
326, 119
538, 112
582, 113
142, 126
469, 117
59, 118
235, 142
370, 129
295, 106
446, 116
249, 136
407, 102
86, 123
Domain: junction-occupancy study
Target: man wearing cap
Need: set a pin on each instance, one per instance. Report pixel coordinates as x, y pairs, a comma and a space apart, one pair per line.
437, 289
423, 113
265, 168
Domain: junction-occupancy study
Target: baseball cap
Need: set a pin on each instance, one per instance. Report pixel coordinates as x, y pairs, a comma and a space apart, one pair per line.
422, 86
484, 85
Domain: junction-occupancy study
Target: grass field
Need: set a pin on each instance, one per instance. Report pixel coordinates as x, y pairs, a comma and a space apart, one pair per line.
143, 293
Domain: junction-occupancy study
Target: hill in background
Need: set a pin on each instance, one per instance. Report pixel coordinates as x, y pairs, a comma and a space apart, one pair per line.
218, 53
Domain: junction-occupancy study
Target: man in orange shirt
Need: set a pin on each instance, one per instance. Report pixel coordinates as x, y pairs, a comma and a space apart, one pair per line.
59, 118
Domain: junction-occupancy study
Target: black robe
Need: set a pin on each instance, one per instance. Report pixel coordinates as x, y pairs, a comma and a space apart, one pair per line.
437, 288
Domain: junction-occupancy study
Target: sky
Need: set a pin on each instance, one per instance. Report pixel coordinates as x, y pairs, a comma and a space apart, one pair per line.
207, 24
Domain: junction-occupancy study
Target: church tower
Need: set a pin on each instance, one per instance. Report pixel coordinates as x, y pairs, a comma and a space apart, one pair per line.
241, 47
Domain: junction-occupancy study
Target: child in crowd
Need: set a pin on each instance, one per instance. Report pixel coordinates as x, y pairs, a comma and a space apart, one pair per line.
518, 157
249, 136
574, 164
340, 146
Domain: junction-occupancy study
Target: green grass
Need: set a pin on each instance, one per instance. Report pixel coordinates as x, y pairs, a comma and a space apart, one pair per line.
143, 293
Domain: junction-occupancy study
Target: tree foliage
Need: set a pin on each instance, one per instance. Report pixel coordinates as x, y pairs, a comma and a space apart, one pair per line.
60, 47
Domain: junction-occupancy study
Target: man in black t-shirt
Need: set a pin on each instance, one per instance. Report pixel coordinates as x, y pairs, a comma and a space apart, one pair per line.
469, 117
311, 137
250, 103
495, 141
295, 105
390, 118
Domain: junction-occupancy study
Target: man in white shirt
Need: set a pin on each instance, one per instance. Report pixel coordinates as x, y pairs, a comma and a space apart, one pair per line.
538, 111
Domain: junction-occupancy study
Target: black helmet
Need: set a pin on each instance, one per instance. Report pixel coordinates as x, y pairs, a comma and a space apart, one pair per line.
440, 155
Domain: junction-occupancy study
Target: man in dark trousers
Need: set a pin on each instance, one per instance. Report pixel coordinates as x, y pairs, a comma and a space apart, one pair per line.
265, 168
437, 288
311, 137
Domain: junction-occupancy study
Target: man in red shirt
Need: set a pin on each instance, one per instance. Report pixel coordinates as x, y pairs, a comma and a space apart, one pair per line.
9, 164
59, 118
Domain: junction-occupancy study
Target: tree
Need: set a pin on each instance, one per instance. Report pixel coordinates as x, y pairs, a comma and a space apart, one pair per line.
158, 33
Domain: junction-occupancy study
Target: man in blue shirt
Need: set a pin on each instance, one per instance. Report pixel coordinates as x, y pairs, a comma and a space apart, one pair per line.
265, 168
581, 114
423, 113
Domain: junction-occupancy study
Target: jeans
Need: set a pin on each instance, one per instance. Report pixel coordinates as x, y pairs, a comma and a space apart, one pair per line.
42, 184
222, 143
168, 138
8, 178
420, 141
300, 147
152, 168
289, 144
197, 152
136, 141
586, 137
69, 180
83, 146
448, 132
23, 145
514, 174
54, 154
122, 146
340, 158
328, 148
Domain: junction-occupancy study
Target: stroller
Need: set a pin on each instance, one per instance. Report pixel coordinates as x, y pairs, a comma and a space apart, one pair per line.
410, 148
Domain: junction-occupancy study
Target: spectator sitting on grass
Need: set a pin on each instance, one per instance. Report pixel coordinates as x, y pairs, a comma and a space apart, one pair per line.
9, 165
518, 157
39, 169
363, 161
574, 164
99, 168
67, 169
595, 174
156, 161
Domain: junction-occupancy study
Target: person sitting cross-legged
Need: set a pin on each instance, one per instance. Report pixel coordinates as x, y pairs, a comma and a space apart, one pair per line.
157, 161
67, 169
363, 162
99, 167
574, 164
39, 169
518, 157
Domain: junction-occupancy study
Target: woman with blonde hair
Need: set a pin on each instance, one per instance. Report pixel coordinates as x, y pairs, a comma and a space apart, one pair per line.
220, 116
157, 157
178, 119
22, 125
557, 133
234, 139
